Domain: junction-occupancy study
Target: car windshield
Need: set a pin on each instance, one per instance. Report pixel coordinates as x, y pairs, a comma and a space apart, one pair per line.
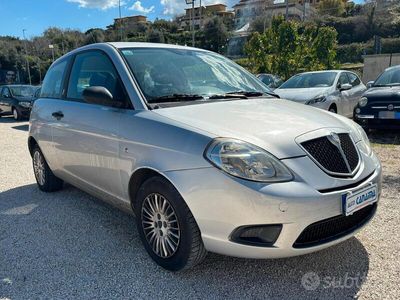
310, 80
22, 91
390, 77
163, 72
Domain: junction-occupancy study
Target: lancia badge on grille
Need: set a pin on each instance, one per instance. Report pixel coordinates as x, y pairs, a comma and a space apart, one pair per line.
390, 107
334, 138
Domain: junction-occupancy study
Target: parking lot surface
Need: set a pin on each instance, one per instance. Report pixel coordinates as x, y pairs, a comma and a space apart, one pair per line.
70, 245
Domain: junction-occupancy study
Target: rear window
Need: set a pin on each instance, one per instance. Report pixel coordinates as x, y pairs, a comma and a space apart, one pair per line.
52, 84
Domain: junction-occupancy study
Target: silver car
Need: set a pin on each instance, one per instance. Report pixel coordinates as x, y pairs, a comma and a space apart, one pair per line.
336, 91
205, 158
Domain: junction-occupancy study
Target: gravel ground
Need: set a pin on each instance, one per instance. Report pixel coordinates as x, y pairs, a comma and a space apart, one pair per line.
71, 245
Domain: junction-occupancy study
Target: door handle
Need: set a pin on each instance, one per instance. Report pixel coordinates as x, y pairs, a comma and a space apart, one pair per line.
58, 115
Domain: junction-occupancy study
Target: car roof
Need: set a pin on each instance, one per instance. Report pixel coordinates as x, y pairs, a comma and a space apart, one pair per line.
325, 71
392, 68
121, 45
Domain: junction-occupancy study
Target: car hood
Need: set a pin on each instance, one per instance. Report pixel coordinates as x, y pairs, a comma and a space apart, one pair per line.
301, 95
271, 124
28, 99
386, 92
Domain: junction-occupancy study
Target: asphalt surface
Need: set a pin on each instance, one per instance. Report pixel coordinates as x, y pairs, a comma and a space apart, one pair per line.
71, 245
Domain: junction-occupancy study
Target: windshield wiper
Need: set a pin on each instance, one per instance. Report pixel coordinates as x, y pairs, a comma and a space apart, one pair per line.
176, 98
255, 94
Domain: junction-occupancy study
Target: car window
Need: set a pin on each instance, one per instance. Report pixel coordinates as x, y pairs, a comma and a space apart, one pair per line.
52, 84
162, 72
389, 77
310, 80
343, 79
5, 92
353, 78
94, 68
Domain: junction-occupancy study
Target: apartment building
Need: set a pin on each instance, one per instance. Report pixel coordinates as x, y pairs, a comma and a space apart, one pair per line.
201, 14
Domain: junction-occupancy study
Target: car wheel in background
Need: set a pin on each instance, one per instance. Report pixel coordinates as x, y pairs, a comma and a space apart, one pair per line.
45, 178
166, 226
16, 114
333, 109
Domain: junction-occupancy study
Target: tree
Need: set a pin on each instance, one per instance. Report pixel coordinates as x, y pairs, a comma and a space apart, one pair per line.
331, 7
288, 47
214, 35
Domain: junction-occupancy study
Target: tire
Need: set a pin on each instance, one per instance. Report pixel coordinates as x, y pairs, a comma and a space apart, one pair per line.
45, 179
333, 109
181, 231
16, 114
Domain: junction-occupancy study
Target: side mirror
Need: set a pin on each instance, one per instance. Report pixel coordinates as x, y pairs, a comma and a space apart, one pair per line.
370, 84
98, 95
345, 87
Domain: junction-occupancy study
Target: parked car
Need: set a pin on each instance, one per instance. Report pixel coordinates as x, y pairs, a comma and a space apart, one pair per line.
16, 100
271, 81
379, 107
336, 91
195, 146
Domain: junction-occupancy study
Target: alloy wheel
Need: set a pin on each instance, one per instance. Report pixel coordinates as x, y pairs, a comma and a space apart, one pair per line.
39, 167
15, 114
160, 225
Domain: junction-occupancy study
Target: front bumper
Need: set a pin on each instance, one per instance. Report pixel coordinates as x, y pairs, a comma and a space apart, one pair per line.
24, 111
372, 122
221, 204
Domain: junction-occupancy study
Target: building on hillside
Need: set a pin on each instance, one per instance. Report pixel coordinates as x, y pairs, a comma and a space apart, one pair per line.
202, 14
247, 10
130, 21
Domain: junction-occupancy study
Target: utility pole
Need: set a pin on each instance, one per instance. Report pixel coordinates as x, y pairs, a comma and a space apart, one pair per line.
287, 10
201, 20
120, 20
26, 57
192, 17
52, 50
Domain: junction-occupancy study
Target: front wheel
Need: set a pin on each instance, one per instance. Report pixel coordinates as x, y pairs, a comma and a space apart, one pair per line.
45, 178
166, 226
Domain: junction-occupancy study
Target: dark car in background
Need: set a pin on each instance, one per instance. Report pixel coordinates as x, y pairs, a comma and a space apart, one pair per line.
17, 100
379, 107
270, 80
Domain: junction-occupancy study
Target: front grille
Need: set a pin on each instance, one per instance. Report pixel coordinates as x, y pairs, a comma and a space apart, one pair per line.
328, 155
333, 228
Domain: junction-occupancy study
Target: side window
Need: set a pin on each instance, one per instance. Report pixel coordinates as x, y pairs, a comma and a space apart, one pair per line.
354, 80
94, 68
52, 84
343, 79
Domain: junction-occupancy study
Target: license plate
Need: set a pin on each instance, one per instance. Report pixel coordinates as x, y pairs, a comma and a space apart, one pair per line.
389, 115
357, 200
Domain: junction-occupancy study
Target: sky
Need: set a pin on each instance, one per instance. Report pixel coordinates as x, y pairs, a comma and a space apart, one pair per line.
37, 15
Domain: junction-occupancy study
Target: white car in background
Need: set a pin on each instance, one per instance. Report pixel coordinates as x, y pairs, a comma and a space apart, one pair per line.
335, 90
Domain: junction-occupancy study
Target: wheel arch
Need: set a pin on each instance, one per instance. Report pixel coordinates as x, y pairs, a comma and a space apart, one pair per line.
138, 177
31, 144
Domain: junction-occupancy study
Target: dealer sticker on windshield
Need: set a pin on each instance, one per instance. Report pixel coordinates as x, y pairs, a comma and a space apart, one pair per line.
357, 200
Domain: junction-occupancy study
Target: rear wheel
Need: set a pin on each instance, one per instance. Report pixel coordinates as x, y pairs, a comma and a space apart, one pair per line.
45, 178
166, 226
333, 109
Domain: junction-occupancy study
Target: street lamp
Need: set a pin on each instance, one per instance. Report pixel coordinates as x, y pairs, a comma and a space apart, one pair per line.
192, 15
52, 50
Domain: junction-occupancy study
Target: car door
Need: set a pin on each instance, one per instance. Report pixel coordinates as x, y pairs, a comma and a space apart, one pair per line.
357, 91
345, 105
85, 136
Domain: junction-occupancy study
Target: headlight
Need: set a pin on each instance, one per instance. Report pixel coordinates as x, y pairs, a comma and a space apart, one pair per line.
363, 101
246, 161
25, 104
364, 145
321, 98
